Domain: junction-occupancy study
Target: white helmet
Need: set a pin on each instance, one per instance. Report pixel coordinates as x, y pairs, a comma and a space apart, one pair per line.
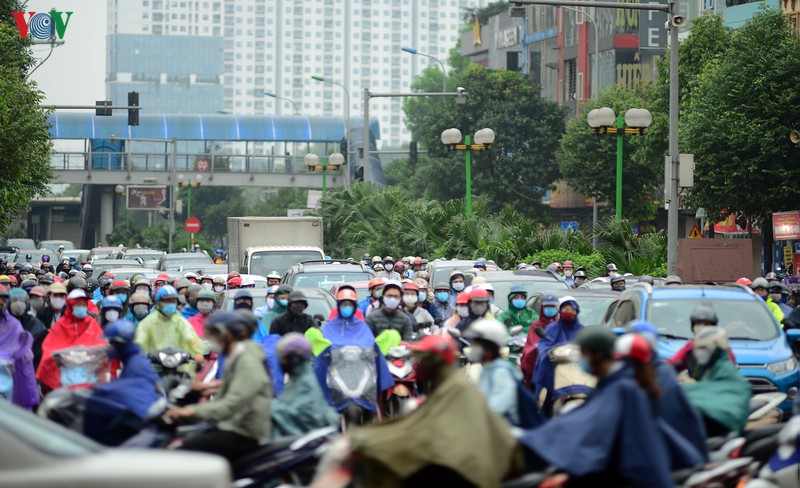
489, 330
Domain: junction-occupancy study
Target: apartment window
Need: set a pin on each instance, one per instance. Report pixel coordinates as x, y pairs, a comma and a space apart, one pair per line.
571, 80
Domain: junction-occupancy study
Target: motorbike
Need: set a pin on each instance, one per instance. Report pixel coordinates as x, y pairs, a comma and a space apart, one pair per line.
399, 361
473, 370
352, 380
82, 366
571, 385
782, 470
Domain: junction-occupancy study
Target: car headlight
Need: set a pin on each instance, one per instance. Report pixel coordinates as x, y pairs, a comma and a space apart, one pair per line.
783, 366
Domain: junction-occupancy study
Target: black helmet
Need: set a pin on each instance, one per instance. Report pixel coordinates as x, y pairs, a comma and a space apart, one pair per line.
284, 288
597, 338
580, 274
297, 296
225, 322
704, 313
76, 282
249, 318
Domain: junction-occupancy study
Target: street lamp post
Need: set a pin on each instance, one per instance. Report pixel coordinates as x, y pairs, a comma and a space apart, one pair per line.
296, 112
347, 121
120, 189
411, 50
335, 162
605, 121
183, 181
483, 142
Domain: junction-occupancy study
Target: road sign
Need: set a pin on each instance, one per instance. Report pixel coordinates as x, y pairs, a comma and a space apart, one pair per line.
787, 255
192, 225
696, 234
202, 164
571, 225
147, 198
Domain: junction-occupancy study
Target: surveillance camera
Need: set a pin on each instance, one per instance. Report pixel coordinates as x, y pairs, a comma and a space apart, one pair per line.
461, 90
461, 96
678, 20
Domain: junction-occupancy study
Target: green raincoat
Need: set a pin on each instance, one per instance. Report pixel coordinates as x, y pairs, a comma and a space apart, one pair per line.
269, 317
301, 407
524, 317
156, 331
453, 428
722, 393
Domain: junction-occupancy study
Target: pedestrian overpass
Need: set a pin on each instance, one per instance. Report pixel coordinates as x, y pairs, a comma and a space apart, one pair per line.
227, 150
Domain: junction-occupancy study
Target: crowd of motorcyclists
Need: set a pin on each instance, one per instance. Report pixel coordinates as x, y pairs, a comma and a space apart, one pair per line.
282, 372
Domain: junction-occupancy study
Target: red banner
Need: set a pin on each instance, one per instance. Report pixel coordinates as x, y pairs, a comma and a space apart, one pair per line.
786, 225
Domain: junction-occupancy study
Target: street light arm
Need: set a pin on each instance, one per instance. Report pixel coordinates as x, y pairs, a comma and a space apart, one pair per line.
444, 71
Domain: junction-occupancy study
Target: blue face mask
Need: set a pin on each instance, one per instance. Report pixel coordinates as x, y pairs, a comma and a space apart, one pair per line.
423, 296
169, 309
346, 311
442, 296
518, 303
584, 364
283, 302
765, 297
80, 312
549, 312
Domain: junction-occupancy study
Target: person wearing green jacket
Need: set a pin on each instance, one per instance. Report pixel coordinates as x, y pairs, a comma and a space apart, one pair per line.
761, 287
720, 392
242, 408
518, 312
281, 305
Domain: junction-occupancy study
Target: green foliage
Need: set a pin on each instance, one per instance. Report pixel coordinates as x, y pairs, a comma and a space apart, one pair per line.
156, 237
484, 13
594, 262
640, 254
743, 106
277, 204
213, 205
24, 138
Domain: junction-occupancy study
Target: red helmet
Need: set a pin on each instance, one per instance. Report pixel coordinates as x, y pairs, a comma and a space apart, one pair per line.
462, 298
558, 265
479, 295
400, 266
744, 281
347, 294
441, 345
235, 281
417, 260
233, 274
633, 346
410, 286
568, 264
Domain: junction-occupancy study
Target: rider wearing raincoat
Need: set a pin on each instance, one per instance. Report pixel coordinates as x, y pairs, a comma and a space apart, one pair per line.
518, 312
15, 350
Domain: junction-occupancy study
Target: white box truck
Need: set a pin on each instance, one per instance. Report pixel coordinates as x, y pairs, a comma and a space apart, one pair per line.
260, 245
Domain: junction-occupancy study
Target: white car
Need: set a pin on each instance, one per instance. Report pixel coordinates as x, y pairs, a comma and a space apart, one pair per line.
37, 453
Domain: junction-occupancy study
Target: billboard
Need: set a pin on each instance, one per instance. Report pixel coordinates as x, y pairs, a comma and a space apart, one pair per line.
147, 198
786, 225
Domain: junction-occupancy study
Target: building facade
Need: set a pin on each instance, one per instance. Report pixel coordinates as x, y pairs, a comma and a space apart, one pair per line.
276, 46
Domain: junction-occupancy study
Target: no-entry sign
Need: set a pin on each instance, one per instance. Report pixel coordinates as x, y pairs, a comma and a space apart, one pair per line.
192, 225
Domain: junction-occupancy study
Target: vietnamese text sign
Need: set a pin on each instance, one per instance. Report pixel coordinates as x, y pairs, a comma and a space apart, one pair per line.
786, 225
147, 198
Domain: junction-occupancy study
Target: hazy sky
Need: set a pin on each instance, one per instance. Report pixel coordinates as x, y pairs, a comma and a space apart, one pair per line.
75, 73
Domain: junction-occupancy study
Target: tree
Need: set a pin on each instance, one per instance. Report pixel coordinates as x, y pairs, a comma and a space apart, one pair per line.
588, 161
213, 205
24, 132
738, 122
283, 200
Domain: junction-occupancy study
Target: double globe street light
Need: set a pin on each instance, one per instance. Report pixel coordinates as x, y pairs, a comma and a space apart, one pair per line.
451, 139
334, 162
605, 121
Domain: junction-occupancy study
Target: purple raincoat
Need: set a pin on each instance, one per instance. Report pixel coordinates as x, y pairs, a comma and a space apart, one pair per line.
17, 344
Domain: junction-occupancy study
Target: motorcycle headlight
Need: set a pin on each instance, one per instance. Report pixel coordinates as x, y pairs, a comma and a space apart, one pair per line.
783, 366
170, 360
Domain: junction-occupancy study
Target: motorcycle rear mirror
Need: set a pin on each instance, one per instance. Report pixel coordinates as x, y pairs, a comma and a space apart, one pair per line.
515, 330
793, 335
454, 333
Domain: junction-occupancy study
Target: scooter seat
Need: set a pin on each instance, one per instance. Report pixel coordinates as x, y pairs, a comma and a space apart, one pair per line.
275, 445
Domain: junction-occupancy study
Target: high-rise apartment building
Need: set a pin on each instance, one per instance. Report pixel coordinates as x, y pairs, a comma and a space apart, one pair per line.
276, 46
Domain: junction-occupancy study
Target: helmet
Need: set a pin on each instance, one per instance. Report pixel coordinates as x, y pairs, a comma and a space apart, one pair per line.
75, 295
346, 294
388, 259
233, 274
422, 284
378, 267
517, 289
711, 338
569, 300
376, 259
771, 277
463, 298
166, 292
37, 291
558, 265
646, 330
522, 266
611, 267
58, 288
673, 280
91, 284
139, 297
417, 261
274, 276
249, 318
47, 279
111, 302
190, 275
759, 283
456, 273
224, 322
568, 264
646, 279
423, 275
479, 295
120, 285
616, 278
162, 277
439, 345
489, 330
633, 346
293, 343
182, 283
442, 286
597, 338
744, 281
17, 294
76, 282
120, 331
580, 274
549, 300
297, 296
400, 266
704, 313
235, 281
478, 280
284, 289
773, 285
242, 294
272, 290
410, 287
28, 284
393, 284
142, 282
378, 281
207, 295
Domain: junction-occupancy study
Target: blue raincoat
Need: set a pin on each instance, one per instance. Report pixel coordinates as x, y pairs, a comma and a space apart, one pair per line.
558, 333
189, 311
615, 434
677, 410
350, 332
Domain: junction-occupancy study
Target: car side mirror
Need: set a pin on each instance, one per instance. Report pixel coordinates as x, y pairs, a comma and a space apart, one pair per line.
242, 269
619, 331
793, 335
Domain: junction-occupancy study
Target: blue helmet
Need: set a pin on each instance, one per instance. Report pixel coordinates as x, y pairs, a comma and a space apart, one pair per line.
550, 300
243, 294
111, 301
646, 330
224, 322
120, 331
166, 292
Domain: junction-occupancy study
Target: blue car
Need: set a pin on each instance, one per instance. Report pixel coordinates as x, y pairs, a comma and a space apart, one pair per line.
760, 345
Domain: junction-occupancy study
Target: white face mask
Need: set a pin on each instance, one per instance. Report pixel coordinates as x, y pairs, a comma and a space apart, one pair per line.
567, 273
206, 286
111, 315
702, 355
462, 310
205, 306
58, 303
270, 303
219, 288
140, 311
388, 267
391, 302
410, 299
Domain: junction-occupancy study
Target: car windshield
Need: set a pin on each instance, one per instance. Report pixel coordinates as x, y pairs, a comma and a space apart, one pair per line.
501, 289
44, 436
78, 255
176, 264
21, 243
264, 262
151, 256
442, 273
593, 309
327, 280
54, 245
741, 319
36, 256
316, 305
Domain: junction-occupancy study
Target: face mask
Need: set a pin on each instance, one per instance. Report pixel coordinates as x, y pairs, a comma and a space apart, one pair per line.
764, 297
423, 296
388, 267
140, 311
57, 303
568, 273
206, 286
17, 309
550, 312
123, 298
169, 309
23, 277
219, 288
112, 315
391, 302
143, 289
346, 311
442, 296
205, 306
80, 312
283, 302
518, 303
296, 309
462, 311
193, 302
618, 288
270, 303
410, 300
568, 317
458, 286
182, 299
702, 355
579, 281
37, 304
776, 297
478, 309
376, 294
475, 354
584, 364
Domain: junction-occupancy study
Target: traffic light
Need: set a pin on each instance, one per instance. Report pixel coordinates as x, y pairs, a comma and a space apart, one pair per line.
343, 149
412, 153
101, 110
133, 113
